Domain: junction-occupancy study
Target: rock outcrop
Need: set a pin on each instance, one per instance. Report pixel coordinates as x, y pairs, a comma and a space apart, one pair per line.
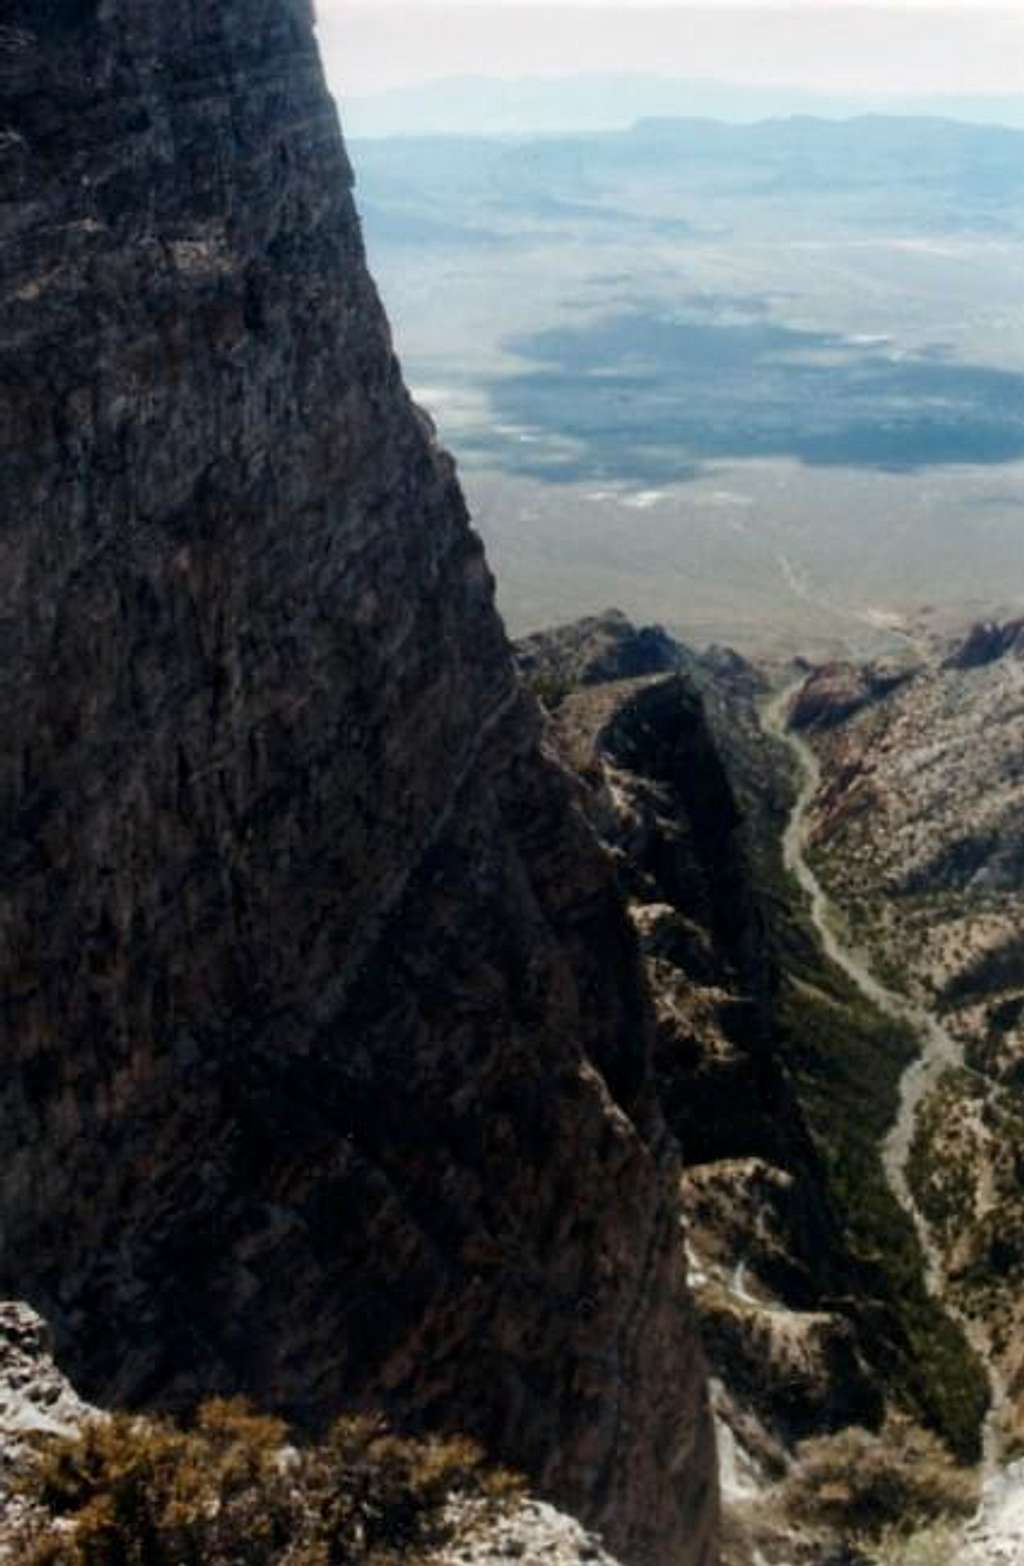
326, 1046
593, 650
985, 642
35, 1398
37, 1402
532, 1531
833, 692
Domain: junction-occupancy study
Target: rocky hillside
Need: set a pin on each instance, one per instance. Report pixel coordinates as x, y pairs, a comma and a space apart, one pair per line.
807, 1285
918, 833
327, 1051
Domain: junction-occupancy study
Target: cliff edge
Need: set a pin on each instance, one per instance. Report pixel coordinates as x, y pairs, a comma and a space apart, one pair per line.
327, 1055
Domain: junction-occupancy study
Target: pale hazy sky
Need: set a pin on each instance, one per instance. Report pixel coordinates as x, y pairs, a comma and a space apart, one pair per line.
891, 46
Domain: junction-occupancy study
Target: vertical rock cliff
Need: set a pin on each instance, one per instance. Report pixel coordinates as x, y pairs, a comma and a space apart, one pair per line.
326, 1055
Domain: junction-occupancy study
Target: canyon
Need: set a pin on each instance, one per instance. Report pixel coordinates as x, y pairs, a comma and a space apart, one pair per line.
915, 832
783, 1063
503, 1039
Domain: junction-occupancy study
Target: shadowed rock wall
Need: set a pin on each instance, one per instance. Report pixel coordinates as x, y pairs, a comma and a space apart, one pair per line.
326, 1055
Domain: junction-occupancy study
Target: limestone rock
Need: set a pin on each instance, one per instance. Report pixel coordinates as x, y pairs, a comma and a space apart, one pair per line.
35, 1397
532, 1534
996, 1536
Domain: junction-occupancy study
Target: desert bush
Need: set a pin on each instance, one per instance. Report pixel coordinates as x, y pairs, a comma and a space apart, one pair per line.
936, 1545
231, 1488
878, 1487
549, 687
846, 1060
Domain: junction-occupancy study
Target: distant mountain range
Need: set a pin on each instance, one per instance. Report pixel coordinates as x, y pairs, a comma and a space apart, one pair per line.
863, 174
710, 328
480, 105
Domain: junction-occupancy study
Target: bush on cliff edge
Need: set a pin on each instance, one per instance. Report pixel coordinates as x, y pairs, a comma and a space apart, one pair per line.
129, 1491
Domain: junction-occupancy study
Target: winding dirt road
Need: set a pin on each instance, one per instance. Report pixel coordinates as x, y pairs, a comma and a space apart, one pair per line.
939, 1050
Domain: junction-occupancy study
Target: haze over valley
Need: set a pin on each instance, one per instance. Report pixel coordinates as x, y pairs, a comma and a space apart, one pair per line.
764, 382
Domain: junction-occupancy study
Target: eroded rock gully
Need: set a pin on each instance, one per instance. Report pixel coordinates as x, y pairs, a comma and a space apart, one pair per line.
326, 1049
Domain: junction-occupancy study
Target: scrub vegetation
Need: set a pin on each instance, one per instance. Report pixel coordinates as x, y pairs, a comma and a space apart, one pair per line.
846, 1059
232, 1487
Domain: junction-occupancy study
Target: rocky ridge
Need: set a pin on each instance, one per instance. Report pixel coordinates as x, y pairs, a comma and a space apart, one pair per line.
327, 1051
835, 691
599, 648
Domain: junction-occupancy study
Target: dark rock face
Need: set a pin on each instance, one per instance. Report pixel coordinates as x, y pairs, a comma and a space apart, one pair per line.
985, 642
675, 827
326, 1051
595, 649
835, 691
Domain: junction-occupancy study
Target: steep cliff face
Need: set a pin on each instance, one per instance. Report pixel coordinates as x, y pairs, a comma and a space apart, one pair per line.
326, 1066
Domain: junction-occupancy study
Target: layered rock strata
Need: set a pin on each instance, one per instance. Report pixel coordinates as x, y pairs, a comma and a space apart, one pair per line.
326, 1047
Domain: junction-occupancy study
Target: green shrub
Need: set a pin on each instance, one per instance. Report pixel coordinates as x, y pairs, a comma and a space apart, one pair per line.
129, 1491
873, 1487
938, 1544
549, 687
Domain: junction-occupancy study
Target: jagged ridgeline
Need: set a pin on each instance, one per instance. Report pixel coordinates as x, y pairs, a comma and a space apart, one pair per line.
326, 1050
